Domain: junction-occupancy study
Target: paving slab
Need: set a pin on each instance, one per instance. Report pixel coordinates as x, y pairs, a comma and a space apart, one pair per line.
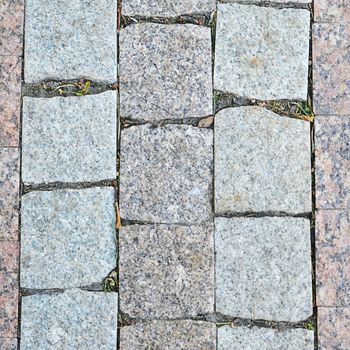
262, 52
166, 175
258, 155
9, 256
67, 238
8, 343
332, 10
263, 268
70, 40
10, 75
71, 320
166, 271
170, 335
165, 71
69, 139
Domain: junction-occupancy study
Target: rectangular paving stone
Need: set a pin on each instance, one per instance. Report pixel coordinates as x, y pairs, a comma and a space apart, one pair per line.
74, 319
10, 109
263, 268
69, 139
8, 343
10, 75
9, 256
332, 10
332, 142
71, 39
170, 335
258, 155
166, 271
67, 238
166, 176
243, 338
262, 52
165, 71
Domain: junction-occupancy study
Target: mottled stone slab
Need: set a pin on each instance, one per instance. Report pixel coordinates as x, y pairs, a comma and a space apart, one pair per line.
262, 52
9, 256
10, 75
165, 71
332, 140
10, 109
258, 155
333, 328
332, 10
9, 193
69, 139
170, 335
263, 268
166, 271
8, 343
67, 238
74, 319
166, 174
71, 39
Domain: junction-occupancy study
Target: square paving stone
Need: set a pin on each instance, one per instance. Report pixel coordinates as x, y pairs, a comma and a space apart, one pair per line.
69, 139
165, 71
71, 320
332, 10
71, 39
263, 268
169, 335
67, 238
262, 52
8, 343
332, 141
243, 338
262, 162
166, 174
166, 271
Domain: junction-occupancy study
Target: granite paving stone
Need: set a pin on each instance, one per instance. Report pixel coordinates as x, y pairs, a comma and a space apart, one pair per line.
262, 52
332, 10
67, 237
10, 109
71, 39
165, 71
167, 271
71, 320
9, 256
10, 75
170, 335
166, 174
258, 156
69, 139
263, 268
8, 343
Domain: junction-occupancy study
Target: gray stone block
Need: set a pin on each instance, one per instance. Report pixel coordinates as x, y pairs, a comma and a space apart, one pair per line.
263, 268
67, 238
70, 39
262, 162
71, 320
69, 139
165, 71
166, 271
262, 52
166, 174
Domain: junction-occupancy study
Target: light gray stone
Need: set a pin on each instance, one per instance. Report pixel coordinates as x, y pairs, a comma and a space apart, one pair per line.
244, 338
165, 71
263, 268
262, 162
166, 271
70, 39
262, 52
67, 238
169, 335
166, 174
71, 320
69, 139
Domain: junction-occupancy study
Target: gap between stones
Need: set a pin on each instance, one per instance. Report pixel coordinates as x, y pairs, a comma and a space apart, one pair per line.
276, 5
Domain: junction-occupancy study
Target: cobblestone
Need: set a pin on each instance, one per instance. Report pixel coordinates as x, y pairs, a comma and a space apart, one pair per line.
332, 10
9, 256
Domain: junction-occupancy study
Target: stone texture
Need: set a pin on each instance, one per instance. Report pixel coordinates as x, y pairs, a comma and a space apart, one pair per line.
331, 68
332, 141
10, 109
263, 268
8, 343
69, 139
9, 256
166, 174
170, 335
71, 39
9, 193
72, 320
332, 10
262, 52
10, 75
166, 271
258, 155
243, 338
165, 71
67, 238
333, 328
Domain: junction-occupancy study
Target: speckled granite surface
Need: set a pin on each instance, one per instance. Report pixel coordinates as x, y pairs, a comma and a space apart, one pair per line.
332, 10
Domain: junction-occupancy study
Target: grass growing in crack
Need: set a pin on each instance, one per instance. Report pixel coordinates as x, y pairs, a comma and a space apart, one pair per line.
79, 88
110, 283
